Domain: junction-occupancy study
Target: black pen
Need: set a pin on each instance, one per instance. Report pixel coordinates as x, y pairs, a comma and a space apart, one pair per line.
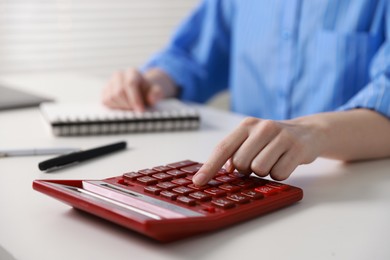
77, 157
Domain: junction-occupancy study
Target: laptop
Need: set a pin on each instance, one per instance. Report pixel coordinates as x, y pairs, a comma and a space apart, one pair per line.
11, 98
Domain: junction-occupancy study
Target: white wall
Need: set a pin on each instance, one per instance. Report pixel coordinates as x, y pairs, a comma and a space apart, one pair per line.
90, 36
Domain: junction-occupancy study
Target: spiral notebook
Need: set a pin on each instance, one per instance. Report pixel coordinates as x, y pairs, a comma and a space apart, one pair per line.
69, 119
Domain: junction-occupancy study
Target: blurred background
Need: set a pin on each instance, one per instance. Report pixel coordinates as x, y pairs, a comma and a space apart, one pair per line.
92, 37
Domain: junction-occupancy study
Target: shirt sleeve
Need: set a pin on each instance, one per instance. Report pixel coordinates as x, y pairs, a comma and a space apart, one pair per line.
376, 94
197, 57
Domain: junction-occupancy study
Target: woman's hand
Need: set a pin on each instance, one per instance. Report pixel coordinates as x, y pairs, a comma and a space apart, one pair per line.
132, 90
264, 147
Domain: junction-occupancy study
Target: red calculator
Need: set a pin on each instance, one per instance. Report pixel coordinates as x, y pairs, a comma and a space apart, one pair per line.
163, 203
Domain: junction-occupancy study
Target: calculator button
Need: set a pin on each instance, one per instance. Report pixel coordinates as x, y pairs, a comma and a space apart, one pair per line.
182, 182
167, 185
257, 181
244, 183
147, 171
195, 187
182, 190
177, 173
147, 180
186, 200
279, 186
253, 194
215, 192
122, 182
238, 174
189, 177
209, 209
223, 203
201, 196
229, 187
152, 189
237, 198
192, 169
214, 183
181, 164
132, 175
222, 171
266, 190
162, 176
161, 168
225, 178
168, 194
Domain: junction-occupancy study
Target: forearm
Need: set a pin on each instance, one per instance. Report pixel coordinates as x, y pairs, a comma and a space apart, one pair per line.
351, 135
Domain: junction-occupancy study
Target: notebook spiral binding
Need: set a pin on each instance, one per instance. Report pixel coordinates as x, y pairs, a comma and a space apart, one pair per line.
116, 122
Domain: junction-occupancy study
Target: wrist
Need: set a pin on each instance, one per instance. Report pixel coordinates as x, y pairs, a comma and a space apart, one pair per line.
318, 131
158, 78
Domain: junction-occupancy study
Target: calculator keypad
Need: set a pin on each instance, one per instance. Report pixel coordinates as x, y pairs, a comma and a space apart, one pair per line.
173, 182
163, 203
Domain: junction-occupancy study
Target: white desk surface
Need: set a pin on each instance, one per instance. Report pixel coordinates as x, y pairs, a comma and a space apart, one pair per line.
345, 212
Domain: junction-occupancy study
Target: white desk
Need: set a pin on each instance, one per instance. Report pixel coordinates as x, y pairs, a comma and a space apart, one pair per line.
345, 213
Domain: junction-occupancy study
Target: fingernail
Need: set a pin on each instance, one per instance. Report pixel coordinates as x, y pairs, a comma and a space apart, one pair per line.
199, 179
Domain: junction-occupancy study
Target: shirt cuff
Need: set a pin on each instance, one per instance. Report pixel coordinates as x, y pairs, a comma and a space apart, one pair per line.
182, 71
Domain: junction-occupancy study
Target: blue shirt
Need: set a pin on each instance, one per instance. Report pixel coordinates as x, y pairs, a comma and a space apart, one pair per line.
283, 59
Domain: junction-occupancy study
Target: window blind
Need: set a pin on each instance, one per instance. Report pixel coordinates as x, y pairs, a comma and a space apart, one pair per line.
92, 36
